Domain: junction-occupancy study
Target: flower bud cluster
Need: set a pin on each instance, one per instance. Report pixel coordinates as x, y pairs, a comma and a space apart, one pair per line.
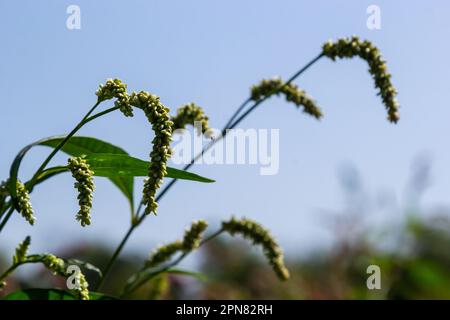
259, 236
187, 115
158, 115
85, 185
354, 47
291, 92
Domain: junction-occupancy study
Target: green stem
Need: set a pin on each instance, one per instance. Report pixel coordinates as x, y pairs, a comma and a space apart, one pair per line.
230, 125
9, 271
62, 143
87, 118
172, 264
6, 218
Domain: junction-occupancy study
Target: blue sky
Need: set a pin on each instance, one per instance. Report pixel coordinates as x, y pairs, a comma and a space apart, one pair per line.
211, 53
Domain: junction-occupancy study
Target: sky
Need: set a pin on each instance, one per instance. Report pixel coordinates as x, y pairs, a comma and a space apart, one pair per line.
211, 52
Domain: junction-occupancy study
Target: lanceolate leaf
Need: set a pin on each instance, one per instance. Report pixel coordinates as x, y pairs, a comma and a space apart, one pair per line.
105, 159
106, 165
78, 146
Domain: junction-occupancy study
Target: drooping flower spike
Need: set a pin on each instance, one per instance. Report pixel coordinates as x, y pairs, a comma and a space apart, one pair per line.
260, 236
354, 47
163, 253
23, 203
53, 263
191, 241
58, 267
276, 86
115, 88
193, 235
85, 185
187, 115
158, 115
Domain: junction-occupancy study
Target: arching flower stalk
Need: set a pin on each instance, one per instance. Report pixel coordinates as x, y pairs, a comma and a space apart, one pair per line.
115, 88
23, 203
58, 267
260, 236
352, 47
21, 251
276, 86
85, 185
191, 241
187, 115
158, 115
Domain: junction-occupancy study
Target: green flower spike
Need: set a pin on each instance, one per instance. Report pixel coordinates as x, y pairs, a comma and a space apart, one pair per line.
23, 203
54, 264
354, 47
58, 267
163, 254
260, 236
187, 115
158, 115
276, 86
115, 88
21, 251
85, 185
190, 242
193, 235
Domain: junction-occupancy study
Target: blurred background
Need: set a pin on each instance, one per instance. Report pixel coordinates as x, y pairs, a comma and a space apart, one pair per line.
352, 189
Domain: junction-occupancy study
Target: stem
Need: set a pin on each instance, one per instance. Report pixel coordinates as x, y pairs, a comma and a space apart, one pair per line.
62, 143
230, 125
9, 271
84, 121
241, 107
5, 220
114, 257
173, 263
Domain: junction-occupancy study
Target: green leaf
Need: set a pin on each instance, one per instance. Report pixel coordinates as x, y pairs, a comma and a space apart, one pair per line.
40, 294
86, 265
78, 146
75, 146
107, 165
197, 275
51, 294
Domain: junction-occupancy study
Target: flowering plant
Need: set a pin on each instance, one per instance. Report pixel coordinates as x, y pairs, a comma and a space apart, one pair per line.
90, 157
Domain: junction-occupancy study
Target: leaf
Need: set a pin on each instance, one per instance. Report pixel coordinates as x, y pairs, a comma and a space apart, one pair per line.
78, 146
197, 275
51, 294
107, 165
40, 294
145, 275
86, 265
75, 146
